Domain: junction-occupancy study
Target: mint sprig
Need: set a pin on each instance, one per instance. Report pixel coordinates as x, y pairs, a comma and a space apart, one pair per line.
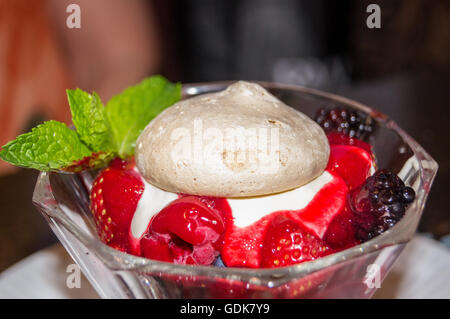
49, 146
131, 111
89, 118
101, 134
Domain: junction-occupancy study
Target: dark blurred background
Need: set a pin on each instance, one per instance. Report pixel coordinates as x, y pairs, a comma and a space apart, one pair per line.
402, 69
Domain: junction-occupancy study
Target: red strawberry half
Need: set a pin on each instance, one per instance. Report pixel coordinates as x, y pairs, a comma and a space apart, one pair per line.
114, 197
352, 163
187, 231
335, 138
287, 243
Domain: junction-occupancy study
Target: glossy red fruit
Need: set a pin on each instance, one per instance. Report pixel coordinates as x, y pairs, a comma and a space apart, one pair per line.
190, 219
352, 163
156, 246
242, 245
222, 208
328, 202
184, 232
114, 197
341, 232
343, 139
287, 243
167, 248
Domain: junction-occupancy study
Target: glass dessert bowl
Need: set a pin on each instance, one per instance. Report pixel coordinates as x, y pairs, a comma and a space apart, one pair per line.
63, 199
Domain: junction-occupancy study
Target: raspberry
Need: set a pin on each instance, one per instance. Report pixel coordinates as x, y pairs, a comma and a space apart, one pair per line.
379, 204
187, 231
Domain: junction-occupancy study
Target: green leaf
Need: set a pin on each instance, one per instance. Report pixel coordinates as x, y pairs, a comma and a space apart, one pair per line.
129, 112
101, 133
89, 118
49, 146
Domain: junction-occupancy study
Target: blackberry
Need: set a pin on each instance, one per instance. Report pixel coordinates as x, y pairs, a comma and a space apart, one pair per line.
379, 203
345, 121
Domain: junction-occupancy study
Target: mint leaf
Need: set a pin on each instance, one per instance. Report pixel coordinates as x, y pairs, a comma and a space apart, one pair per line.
129, 112
49, 146
101, 133
89, 118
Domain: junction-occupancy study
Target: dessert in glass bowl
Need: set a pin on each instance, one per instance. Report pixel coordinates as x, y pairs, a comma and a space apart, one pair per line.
286, 207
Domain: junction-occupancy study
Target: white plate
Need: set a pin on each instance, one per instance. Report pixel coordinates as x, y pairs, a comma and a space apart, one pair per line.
422, 271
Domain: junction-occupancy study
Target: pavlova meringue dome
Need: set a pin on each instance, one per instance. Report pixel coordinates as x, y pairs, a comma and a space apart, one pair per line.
239, 142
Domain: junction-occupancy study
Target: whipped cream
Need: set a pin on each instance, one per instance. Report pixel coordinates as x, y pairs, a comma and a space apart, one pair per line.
152, 201
245, 211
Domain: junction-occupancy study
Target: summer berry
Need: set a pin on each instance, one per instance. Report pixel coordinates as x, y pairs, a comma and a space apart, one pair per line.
242, 246
341, 232
221, 207
188, 228
114, 197
287, 243
168, 248
351, 123
335, 138
379, 203
351, 163
321, 210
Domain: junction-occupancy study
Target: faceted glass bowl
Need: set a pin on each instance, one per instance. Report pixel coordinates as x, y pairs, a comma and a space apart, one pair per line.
63, 199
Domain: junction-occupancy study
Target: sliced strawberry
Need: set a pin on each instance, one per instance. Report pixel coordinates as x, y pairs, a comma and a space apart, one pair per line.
352, 163
242, 246
328, 202
114, 197
287, 243
186, 231
335, 138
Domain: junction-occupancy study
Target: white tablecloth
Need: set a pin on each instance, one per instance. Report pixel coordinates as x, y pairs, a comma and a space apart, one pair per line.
422, 271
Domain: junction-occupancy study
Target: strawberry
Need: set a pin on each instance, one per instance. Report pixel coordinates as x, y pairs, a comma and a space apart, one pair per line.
187, 231
335, 138
328, 202
352, 163
242, 245
287, 243
114, 197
